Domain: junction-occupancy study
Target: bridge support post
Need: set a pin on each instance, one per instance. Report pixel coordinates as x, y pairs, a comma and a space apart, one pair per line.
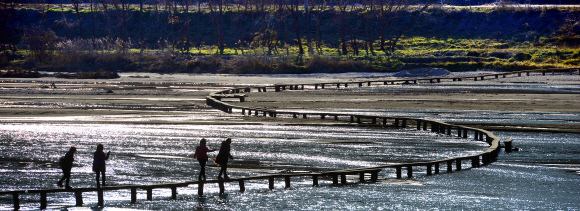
429, 171
287, 181
409, 171
43, 200
399, 172
475, 161
458, 164
174, 193
271, 183
335, 179
374, 176
361, 177
242, 186
133, 195
79, 198
314, 180
16, 200
343, 179
149, 194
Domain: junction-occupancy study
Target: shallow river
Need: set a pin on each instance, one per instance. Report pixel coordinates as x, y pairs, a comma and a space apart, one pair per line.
543, 175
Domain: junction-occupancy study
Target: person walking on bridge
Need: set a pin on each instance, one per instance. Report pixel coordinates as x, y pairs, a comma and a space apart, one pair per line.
201, 156
222, 158
66, 163
99, 163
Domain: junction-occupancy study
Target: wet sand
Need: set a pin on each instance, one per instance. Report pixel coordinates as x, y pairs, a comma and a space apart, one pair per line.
183, 95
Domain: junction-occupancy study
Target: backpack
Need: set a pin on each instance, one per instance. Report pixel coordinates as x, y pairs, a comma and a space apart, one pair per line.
62, 161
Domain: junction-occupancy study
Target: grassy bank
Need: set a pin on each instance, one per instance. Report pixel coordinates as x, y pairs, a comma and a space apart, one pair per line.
457, 39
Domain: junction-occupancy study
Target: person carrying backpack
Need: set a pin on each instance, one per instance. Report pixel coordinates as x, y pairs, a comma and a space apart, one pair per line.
222, 158
66, 163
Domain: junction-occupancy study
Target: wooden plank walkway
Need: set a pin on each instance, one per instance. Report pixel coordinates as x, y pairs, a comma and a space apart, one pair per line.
432, 167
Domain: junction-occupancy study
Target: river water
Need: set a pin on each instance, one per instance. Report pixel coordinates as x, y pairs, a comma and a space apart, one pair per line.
543, 175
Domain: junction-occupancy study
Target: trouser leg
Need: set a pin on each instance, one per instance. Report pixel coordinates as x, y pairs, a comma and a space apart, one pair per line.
103, 178
202, 164
224, 170
98, 175
67, 177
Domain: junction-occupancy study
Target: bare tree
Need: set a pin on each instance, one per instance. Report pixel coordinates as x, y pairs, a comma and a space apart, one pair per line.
217, 8
341, 15
370, 8
105, 5
394, 41
7, 25
76, 6
321, 7
353, 28
386, 15
293, 8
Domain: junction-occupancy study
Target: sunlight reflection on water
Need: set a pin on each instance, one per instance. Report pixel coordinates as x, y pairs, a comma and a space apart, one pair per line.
161, 153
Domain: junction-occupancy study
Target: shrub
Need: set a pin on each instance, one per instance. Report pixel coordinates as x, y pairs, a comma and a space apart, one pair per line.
101, 74
287, 67
19, 73
501, 54
249, 65
571, 62
522, 56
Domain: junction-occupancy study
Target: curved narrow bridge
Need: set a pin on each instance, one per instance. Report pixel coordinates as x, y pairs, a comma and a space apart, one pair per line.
432, 167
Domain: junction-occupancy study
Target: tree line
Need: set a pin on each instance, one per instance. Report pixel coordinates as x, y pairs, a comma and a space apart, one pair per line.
241, 24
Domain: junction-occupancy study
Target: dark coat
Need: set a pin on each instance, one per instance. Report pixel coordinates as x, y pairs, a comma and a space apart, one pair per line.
99, 161
224, 154
67, 162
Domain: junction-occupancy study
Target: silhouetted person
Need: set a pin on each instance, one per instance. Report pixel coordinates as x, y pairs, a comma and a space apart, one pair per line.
201, 155
66, 163
99, 163
222, 158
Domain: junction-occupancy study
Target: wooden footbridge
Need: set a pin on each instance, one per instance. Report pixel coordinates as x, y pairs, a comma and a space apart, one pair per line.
338, 177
